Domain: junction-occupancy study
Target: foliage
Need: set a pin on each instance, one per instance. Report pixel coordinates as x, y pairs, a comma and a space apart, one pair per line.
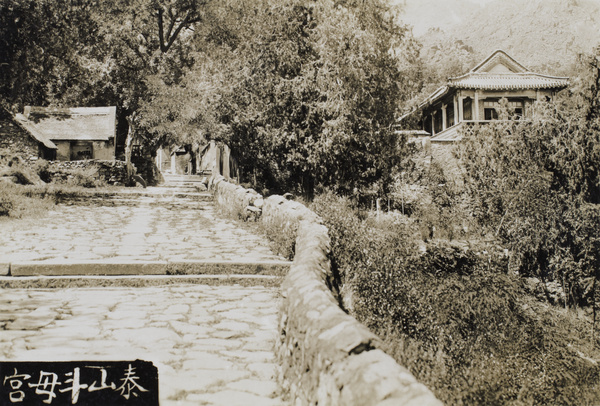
534, 185
304, 95
44, 43
456, 318
16, 201
282, 237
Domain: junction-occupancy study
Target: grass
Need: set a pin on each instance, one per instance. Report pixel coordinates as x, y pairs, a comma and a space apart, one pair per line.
19, 201
456, 318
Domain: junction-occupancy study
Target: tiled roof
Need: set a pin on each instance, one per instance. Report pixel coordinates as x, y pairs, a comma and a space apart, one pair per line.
500, 57
449, 135
500, 81
499, 71
79, 123
439, 93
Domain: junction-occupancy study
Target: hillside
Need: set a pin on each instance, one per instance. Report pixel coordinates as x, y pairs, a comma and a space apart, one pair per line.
545, 35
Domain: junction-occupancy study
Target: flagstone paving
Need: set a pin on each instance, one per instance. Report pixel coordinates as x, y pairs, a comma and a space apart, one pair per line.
212, 345
212, 342
143, 228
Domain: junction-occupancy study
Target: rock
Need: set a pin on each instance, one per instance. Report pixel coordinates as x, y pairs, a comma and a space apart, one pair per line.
9, 179
259, 203
252, 213
288, 196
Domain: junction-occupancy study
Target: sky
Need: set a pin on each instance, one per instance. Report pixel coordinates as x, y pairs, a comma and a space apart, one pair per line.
424, 14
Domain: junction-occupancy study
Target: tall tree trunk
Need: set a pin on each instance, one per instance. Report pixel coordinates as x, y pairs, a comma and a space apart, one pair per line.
594, 312
128, 145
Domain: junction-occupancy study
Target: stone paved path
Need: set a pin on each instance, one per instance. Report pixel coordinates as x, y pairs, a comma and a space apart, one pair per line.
142, 228
213, 345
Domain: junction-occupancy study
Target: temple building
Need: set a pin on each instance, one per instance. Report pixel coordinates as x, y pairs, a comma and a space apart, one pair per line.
475, 96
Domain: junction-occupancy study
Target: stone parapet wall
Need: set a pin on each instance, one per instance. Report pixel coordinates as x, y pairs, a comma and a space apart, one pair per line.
326, 356
236, 201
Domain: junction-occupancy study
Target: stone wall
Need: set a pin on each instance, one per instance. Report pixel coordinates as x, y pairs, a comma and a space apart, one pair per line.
15, 140
326, 356
112, 172
236, 201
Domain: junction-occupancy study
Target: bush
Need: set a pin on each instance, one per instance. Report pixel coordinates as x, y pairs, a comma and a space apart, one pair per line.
42, 168
87, 177
456, 318
17, 201
282, 238
21, 174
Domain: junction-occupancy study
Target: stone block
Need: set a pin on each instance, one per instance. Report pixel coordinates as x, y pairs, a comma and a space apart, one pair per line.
89, 268
4, 269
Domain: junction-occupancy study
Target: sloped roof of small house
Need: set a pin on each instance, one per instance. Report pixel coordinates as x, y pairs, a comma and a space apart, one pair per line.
19, 119
499, 71
70, 124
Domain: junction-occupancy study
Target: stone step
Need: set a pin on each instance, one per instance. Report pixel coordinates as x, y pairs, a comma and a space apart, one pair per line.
159, 192
107, 267
135, 281
184, 178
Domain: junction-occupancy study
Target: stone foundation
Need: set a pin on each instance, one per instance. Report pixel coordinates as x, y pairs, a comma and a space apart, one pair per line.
112, 172
326, 356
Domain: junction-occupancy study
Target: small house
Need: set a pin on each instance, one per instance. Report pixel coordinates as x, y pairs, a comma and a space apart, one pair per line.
75, 133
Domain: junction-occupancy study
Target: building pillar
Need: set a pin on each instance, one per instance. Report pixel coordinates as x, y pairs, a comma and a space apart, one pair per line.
444, 116
454, 101
433, 122
461, 113
476, 115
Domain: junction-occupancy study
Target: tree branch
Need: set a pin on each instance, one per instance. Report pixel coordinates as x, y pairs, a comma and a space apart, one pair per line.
160, 29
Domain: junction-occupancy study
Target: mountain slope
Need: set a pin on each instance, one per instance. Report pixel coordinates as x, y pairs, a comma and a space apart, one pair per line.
545, 35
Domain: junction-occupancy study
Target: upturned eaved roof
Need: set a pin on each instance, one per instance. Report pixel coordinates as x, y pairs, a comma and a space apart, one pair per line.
528, 80
69, 124
499, 71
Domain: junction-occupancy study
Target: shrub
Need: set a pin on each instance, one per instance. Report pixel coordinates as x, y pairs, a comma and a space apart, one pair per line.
42, 168
17, 201
456, 318
282, 238
84, 177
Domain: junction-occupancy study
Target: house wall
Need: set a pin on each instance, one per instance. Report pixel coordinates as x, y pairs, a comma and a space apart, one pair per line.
103, 150
64, 150
528, 97
16, 141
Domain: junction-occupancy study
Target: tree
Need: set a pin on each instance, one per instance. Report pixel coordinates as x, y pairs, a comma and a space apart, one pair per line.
536, 183
45, 45
145, 38
305, 95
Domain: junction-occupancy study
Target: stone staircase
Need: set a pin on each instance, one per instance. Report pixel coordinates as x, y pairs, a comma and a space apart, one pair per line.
146, 273
170, 230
